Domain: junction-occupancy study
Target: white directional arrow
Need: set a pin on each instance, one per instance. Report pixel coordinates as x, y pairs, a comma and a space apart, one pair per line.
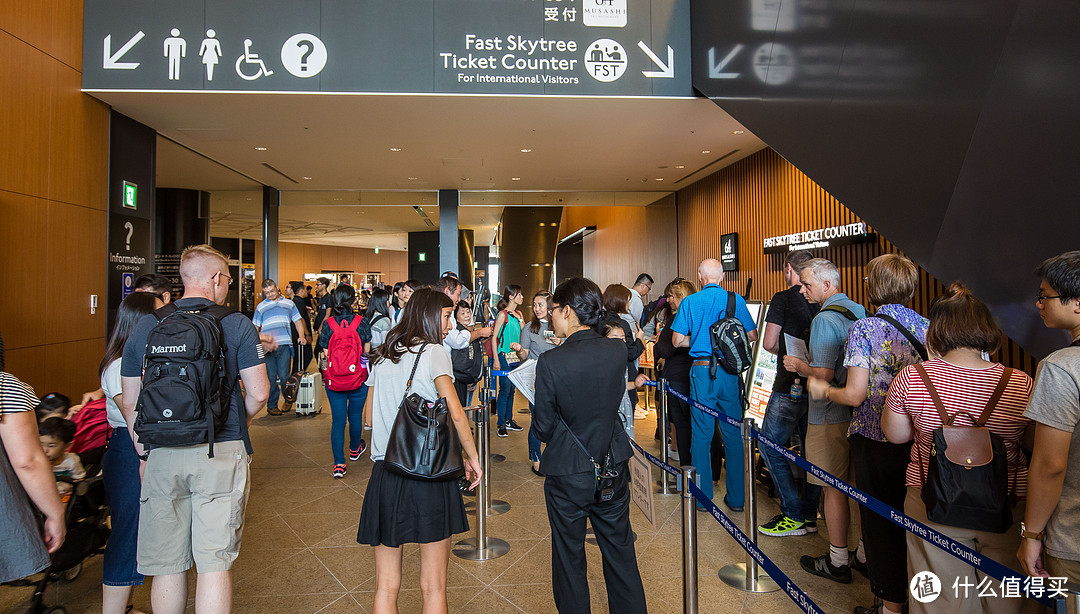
112, 60
716, 70
667, 71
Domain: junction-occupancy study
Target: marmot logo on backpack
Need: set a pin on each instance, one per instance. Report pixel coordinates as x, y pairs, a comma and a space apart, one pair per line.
168, 349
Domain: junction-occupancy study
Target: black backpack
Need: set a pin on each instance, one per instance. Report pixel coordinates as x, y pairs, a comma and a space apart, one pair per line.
730, 347
186, 393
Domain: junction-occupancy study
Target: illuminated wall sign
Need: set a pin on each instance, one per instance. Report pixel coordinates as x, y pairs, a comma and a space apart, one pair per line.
538, 47
820, 238
729, 251
131, 195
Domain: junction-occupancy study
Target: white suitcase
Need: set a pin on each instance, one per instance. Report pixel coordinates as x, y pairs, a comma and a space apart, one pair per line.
309, 396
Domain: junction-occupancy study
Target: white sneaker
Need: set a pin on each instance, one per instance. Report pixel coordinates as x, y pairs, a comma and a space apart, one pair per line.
640, 414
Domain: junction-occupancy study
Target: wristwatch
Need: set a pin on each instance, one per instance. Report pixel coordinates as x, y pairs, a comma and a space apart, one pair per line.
1024, 533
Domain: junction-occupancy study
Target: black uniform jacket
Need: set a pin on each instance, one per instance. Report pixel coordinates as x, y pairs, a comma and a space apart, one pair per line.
583, 380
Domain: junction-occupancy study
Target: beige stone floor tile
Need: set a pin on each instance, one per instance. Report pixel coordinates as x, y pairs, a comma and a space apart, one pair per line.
313, 529
411, 600
336, 500
300, 574
346, 604
351, 567
259, 604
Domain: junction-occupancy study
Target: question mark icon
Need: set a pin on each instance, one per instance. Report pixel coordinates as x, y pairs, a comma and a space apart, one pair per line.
130, 231
303, 55
308, 47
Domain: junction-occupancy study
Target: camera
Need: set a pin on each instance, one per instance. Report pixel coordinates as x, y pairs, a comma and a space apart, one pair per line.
605, 479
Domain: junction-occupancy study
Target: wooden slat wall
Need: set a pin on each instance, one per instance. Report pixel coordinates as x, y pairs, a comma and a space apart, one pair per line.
765, 196
627, 241
53, 176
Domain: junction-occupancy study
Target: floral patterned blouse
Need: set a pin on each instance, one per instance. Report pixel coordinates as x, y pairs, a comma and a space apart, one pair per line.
875, 345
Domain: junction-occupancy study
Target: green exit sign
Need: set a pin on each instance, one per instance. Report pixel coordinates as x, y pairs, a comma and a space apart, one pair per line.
131, 192
422, 256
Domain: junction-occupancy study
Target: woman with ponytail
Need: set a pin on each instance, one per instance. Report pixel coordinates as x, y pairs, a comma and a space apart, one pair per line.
507, 332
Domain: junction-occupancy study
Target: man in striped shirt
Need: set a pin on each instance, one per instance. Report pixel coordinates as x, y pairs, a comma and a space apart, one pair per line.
274, 316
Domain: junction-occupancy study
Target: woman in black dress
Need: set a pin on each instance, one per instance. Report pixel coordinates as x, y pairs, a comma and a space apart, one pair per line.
578, 389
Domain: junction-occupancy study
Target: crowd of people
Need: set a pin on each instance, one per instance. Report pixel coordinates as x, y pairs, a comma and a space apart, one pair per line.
869, 399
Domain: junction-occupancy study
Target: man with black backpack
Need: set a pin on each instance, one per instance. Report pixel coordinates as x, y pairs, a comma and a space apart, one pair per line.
711, 386
181, 373
827, 443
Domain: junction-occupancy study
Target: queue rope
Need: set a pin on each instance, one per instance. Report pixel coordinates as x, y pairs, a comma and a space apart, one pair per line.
792, 590
984, 564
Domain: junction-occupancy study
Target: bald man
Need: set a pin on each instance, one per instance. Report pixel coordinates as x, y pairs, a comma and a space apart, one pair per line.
182, 487
696, 314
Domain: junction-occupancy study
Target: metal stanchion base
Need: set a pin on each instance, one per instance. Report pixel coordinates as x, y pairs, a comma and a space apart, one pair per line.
497, 507
494, 548
673, 487
735, 575
497, 458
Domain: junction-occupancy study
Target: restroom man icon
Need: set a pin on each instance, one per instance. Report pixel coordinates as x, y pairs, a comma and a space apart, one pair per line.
175, 48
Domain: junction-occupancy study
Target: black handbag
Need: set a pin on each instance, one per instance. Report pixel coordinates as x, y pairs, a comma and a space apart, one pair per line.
967, 479
423, 442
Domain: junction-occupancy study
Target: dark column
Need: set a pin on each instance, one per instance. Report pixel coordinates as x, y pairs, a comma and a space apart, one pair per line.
181, 219
527, 249
448, 231
465, 268
271, 205
132, 164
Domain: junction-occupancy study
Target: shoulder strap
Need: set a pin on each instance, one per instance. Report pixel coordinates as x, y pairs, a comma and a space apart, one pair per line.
919, 347
730, 312
576, 440
994, 398
416, 363
164, 311
945, 419
354, 324
333, 324
844, 311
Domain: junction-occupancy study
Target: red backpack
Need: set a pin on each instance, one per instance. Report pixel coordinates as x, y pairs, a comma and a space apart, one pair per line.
346, 364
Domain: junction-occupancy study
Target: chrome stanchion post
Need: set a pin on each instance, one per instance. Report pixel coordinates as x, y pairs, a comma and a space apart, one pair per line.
482, 547
747, 576
494, 507
689, 540
665, 425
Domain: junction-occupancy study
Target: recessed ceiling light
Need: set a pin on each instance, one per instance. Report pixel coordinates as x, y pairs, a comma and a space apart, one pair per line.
737, 131
395, 149
413, 178
525, 150
260, 149
337, 199
515, 179
680, 166
706, 151
659, 178
305, 177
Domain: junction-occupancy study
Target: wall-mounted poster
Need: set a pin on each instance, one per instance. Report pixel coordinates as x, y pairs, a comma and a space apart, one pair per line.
729, 251
762, 374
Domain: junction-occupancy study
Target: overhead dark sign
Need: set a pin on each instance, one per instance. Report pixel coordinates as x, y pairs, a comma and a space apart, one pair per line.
729, 251
553, 47
819, 238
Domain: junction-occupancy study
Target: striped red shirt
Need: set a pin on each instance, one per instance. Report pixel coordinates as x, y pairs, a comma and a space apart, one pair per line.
962, 390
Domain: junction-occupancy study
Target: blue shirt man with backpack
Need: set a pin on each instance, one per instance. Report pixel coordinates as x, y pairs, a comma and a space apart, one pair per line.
713, 387
193, 495
276, 316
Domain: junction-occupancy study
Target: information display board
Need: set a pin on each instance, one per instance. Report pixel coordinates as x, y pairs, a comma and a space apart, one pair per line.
761, 374
533, 47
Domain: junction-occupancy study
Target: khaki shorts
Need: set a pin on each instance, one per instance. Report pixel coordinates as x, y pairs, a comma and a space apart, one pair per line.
192, 508
827, 447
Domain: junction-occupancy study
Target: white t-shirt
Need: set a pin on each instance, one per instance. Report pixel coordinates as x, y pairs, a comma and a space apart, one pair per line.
111, 386
388, 381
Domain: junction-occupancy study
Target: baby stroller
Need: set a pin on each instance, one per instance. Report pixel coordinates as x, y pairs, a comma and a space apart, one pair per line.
87, 531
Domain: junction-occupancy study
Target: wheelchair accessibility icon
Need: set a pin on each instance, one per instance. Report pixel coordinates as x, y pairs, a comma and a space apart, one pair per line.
254, 62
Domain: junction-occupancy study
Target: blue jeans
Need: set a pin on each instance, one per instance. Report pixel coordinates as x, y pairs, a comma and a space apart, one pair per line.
504, 403
346, 406
278, 366
534, 441
723, 394
783, 415
120, 475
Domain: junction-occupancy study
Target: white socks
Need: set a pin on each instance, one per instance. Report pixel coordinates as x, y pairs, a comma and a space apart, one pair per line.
860, 553
838, 556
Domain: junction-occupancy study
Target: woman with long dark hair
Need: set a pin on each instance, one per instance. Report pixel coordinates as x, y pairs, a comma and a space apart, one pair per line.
536, 338
346, 406
399, 510
377, 316
402, 295
579, 386
120, 465
507, 331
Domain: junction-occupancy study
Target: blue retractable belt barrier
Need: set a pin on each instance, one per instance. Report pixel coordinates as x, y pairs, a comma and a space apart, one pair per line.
986, 565
796, 594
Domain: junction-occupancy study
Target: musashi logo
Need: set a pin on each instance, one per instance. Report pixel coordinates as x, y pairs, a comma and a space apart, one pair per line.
604, 13
168, 349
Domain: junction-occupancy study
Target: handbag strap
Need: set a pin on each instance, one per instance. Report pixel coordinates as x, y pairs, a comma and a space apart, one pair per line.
946, 420
915, 343
416, 363
581, 445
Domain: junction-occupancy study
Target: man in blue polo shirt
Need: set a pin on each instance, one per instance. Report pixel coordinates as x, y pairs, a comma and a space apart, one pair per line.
275, 316
696, 314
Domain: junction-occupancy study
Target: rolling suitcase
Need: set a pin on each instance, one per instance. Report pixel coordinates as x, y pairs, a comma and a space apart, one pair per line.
309, 396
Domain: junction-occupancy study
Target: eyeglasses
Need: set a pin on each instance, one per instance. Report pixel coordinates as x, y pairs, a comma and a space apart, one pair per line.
229, 277
1041, 298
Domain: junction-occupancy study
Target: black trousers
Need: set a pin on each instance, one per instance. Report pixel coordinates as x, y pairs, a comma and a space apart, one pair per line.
570, 500
880, 472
